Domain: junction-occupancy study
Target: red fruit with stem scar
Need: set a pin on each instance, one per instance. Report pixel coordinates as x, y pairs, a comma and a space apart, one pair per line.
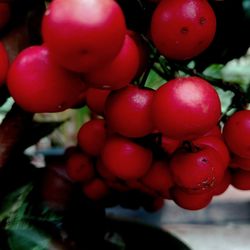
183, 29
196, 170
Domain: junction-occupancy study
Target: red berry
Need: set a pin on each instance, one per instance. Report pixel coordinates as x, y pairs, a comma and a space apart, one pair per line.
120, 71
217, 144
196, 170
183, 29
185, 108
159, 178
126, 159
37, 84
92, 135
236, 133
83, 34
128, 111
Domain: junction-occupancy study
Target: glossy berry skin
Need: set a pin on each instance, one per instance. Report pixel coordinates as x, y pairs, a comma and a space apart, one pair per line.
79, 167
4, 64
128, 111
236, 133
185, 108
83, 34
196, 170
92, 135
120, 71
183, 29
95, 99
159, 178
191, 201
125, 159
37, 84
241, 179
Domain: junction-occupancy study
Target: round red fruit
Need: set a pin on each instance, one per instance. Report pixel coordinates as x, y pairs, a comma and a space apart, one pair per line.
79, 167
128, 111
126, 159
83, 34
159, 178
196, 170
236, 133
185, 108
217, 144
38, 85
92, 135
183, 29
120, 71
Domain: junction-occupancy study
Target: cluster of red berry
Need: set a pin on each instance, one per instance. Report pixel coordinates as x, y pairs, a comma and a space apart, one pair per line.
164, 143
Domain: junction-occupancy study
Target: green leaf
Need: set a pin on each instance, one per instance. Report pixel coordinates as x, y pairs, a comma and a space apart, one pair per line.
14, 205
25, 237
237, 71
225, 98
154, 80
214, 71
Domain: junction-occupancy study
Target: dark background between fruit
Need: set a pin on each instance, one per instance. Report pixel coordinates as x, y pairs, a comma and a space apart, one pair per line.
25, 221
